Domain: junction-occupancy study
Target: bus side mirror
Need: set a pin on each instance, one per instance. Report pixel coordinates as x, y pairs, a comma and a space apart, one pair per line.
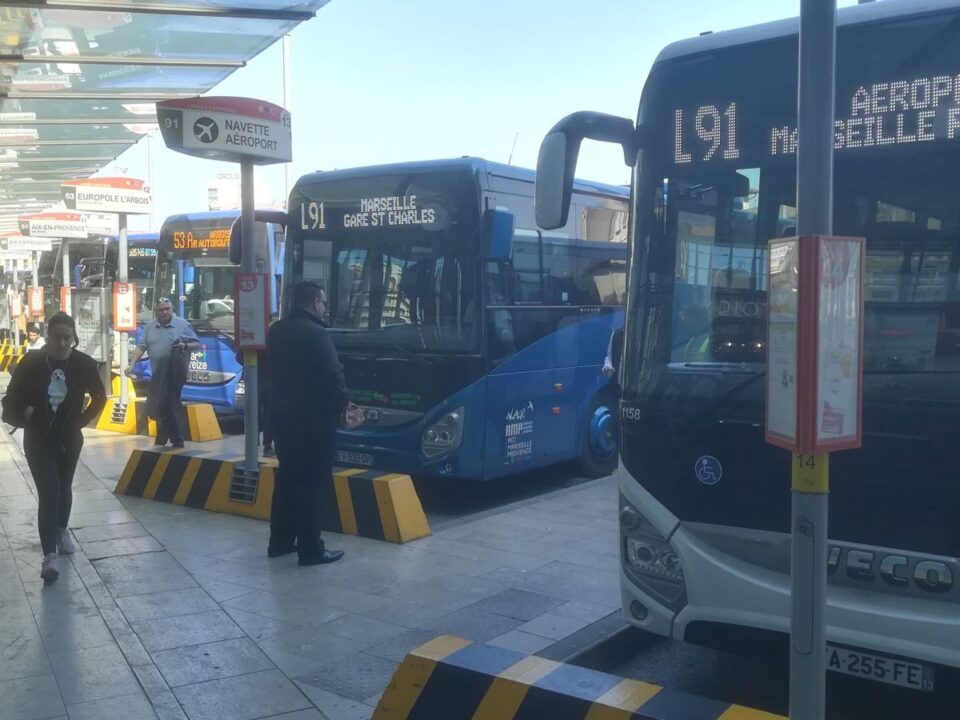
498, 227
235, 251
558, 160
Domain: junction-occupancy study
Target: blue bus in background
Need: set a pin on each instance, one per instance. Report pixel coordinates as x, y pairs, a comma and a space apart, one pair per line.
194, 270
472, 340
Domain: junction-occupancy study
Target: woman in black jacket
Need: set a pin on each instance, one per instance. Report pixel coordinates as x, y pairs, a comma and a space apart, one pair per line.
46, 397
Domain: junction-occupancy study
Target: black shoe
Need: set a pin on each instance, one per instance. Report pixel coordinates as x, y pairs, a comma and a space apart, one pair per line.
275, 551
322, 558
177, 444
159, 443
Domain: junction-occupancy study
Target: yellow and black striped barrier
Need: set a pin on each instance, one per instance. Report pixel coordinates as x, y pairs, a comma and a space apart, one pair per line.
457, 679
198, 420
10, 356
379, 506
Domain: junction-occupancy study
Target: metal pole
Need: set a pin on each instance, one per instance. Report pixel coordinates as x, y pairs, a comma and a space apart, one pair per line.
287, 89
16, 321
815, 113
122, 258
248, 264
65, 254
153, 217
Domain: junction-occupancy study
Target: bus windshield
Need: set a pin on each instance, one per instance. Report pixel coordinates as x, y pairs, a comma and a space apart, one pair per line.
141, 266
725, 184
398, 258
195, 273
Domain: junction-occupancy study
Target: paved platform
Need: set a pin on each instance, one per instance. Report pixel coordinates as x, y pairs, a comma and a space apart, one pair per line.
169, 612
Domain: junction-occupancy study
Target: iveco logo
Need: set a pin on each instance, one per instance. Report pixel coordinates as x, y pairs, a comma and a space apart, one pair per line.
896, 570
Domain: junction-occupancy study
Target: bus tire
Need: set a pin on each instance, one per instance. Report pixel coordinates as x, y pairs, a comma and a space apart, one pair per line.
599, 444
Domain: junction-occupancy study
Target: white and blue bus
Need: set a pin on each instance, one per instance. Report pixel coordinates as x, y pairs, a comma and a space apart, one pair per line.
194, 270
472, 340
705, 502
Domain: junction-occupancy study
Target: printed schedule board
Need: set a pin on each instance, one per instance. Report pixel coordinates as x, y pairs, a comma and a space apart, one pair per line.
815, 343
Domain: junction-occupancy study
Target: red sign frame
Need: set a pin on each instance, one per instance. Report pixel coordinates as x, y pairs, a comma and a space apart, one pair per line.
35, 301
129, 289
247, 288
812, 254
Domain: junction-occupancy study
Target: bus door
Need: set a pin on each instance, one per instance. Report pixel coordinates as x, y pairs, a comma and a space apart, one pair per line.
532, 351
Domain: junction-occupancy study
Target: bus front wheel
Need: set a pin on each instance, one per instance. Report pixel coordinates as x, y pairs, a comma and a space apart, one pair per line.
599, 444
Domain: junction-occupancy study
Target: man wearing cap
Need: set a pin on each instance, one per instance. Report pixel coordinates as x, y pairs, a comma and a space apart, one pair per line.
167, 341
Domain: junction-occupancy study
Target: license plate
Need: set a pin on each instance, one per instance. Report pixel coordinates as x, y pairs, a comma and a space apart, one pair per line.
881, 668
346, 457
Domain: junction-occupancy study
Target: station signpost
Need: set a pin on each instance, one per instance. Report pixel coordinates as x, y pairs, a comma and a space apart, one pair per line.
250, 132
814, 354
105, 198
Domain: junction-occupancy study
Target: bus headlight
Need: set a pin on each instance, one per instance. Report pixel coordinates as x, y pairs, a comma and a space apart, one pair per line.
240, 394
649, 560
444, 435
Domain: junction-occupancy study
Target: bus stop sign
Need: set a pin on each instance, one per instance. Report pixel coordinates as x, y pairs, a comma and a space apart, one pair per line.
227, 128
815, 343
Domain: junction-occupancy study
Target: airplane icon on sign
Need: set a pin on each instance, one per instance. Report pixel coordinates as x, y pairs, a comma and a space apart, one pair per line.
206, 130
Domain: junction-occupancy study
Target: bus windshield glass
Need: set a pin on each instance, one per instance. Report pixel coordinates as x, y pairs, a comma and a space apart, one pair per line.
195, 272
397, 256
141, 266
723, 183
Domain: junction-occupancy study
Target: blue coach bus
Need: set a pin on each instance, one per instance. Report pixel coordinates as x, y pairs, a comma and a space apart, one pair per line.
194, 270
475, 353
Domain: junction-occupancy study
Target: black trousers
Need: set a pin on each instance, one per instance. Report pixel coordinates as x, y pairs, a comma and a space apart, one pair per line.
53, 461
303, 487
168, 424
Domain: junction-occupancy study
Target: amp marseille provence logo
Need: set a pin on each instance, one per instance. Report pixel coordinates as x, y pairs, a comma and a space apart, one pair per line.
206, 130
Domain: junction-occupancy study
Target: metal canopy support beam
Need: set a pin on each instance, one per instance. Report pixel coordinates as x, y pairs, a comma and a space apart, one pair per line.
139, 120
118, 60
105, 158
166, 8
36, 143
4, 174
67, 95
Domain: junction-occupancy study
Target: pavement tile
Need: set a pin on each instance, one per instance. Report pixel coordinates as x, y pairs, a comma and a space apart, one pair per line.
296, 609
143, 574
552, 625
521, 642
519, 604
397, 647
356, 677
259, 627
166, 604
245, 697
30, 698
290, 664
471, 624
198, 663
221, 590
183, 630
333, 705
107, 517
120, 546
93, 674
362, 630
314, 644
128, 707
311, 714
99, 533
21, 649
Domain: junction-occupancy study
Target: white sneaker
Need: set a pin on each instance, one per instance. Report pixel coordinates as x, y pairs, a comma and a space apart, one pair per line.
48, 568
65, 543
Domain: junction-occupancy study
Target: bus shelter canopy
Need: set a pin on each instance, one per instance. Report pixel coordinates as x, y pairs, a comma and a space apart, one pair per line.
79, 79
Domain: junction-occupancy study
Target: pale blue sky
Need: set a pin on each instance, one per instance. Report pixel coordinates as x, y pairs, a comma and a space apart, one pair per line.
378, 81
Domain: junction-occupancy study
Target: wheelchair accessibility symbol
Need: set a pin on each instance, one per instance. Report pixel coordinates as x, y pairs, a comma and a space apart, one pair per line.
708, 470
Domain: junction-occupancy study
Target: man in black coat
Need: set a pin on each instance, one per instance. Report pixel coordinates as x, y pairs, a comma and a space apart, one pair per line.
308, 396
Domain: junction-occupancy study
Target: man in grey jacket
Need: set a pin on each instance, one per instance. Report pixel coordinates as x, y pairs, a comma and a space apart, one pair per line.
168, 341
